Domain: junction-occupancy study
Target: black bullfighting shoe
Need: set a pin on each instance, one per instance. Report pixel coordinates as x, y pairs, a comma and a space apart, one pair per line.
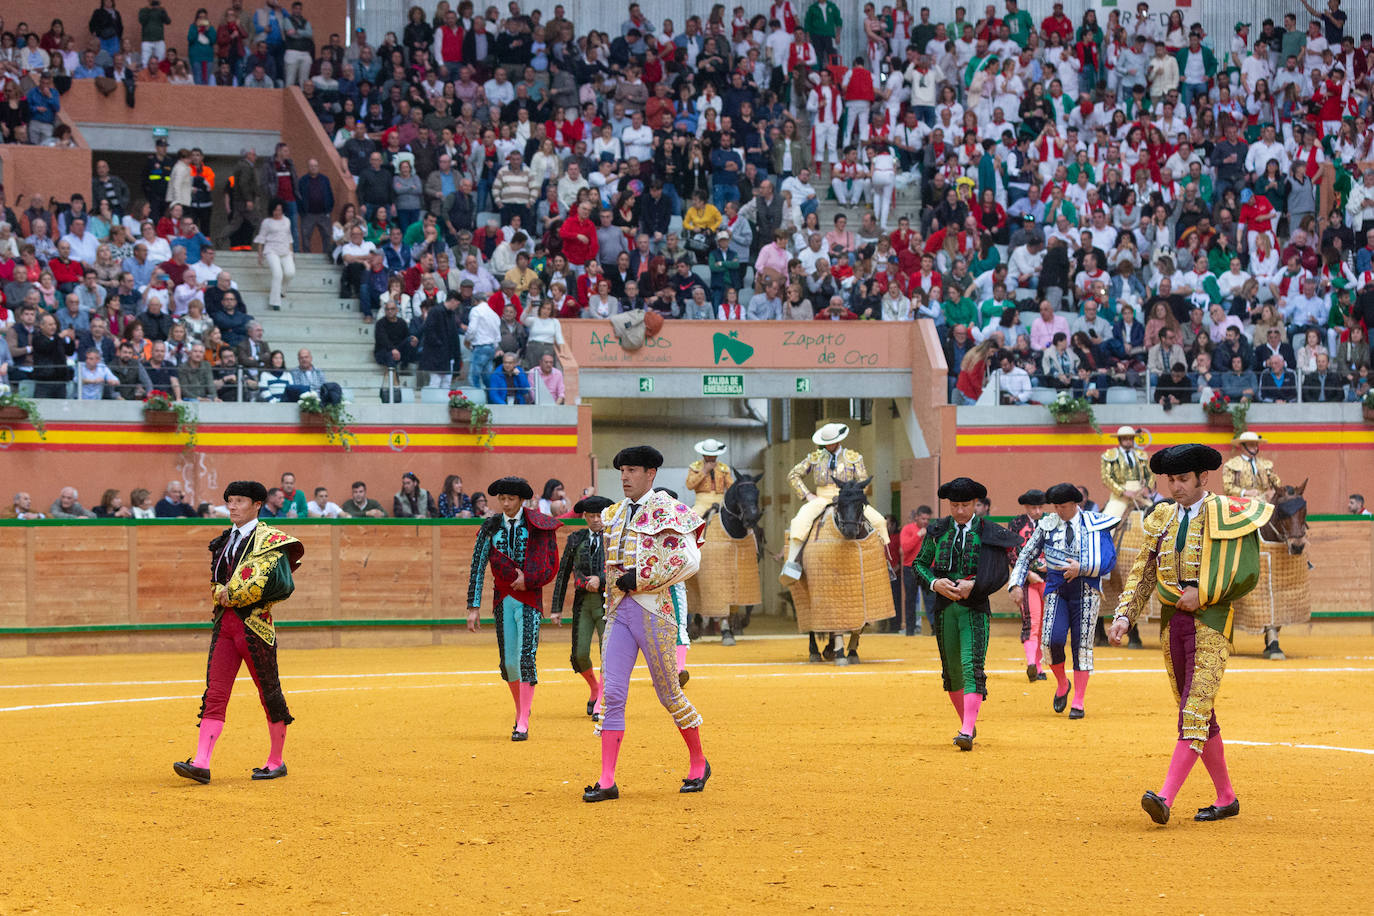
683, 677
1031, 674
591, 707
698, 784
265, 773
963, 742
1156, 807
520, 736
1076, 713
188, 769
1213, 813
597, 794
1061, 701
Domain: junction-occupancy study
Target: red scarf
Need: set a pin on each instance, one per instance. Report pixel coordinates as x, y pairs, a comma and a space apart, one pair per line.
1313, 166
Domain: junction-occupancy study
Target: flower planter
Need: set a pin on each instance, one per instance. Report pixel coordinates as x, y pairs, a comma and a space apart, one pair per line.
312, 419
1077, 418
1222, 420
1369, 414
160, 417
14, 413
460, 415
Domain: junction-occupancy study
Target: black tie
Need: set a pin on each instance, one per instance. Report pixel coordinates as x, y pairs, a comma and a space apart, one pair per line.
625, 531
1068, 536
1130, 461
961, 541
510, 533
230, 552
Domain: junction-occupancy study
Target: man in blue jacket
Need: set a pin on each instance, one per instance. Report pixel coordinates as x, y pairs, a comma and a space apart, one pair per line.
508, 384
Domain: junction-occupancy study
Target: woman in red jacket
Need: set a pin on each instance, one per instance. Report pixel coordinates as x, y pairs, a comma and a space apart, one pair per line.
579, 238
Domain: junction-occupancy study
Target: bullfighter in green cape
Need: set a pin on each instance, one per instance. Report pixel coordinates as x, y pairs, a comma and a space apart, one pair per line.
963, 559
584, 563
1201, 555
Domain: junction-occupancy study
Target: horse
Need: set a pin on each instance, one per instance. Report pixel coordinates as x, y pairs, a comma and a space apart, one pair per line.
846, 514
1287, 526
740, 512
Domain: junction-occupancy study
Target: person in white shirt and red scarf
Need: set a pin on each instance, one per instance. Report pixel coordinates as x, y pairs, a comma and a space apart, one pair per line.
250, 573
653, 542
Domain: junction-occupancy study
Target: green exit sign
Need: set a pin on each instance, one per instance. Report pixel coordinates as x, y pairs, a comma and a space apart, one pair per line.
727, 385
646, 385
803, 385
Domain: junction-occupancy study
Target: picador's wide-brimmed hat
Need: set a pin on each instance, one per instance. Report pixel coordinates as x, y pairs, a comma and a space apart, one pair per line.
1191, 458
1123, 432
1031, 498
830, 433
1062, 493
511, 486
249, 488
962, 490
1248, 436
638, 456
711, 447
592, 504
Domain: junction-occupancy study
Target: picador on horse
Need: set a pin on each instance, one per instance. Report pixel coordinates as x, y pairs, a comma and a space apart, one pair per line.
845, 541
729, 577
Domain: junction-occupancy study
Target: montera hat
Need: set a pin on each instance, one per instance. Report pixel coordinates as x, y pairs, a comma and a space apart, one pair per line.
1032, 498
962, 490
1062, 493
1185, 459
249, 488
592, 504
511, 486
711, 447
830, 433
638, 456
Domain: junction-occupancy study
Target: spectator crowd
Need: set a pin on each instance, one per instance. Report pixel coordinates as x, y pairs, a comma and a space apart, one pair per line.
411, 500
1124, 202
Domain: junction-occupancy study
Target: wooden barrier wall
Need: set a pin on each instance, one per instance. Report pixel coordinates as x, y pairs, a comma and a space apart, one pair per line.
143, 586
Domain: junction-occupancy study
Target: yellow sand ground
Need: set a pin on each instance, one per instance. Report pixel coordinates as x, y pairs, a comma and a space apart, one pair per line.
834, 789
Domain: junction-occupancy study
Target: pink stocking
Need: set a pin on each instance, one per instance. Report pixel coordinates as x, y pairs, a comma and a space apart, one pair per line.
681, 658
209, 733
1029, 647
1061, 683
972, 703
1080, 687
523, 703
957, 698
1214, 759
515, 694
590, 677
610, 752
1179, 767
276, 731
696, 767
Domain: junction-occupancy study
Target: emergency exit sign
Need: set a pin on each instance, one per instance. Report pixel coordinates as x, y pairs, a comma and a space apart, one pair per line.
646, 384
722, 385
803, 385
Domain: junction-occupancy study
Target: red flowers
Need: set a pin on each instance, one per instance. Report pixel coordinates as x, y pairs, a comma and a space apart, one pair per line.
246, 574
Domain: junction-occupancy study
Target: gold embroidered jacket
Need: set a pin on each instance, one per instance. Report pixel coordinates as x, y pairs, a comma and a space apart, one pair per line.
259, 581
1116, 473
1220, 557
1237, 475
849, 466
720, 480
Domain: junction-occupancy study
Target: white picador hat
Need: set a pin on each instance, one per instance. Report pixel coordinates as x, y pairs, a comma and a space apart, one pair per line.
830, 433
1248, 436
1123, 431
711, 447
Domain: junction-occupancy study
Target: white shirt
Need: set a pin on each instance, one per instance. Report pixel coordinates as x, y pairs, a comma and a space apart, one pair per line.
484, 326
639, 142
330, 510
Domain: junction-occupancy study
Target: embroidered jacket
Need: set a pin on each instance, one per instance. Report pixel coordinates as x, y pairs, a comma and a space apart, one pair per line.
720, 480
584, 556
982, 557
534, 552
662, 544
1023, 526
1237, 475
849, 466
1092, 547
1220, 557
259, 580
1117, 471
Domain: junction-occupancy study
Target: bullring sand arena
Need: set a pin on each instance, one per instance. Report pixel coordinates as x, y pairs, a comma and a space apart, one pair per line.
834, 789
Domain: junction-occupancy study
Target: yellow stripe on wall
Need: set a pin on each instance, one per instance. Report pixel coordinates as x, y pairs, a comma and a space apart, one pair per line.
208, 439
1353, 435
